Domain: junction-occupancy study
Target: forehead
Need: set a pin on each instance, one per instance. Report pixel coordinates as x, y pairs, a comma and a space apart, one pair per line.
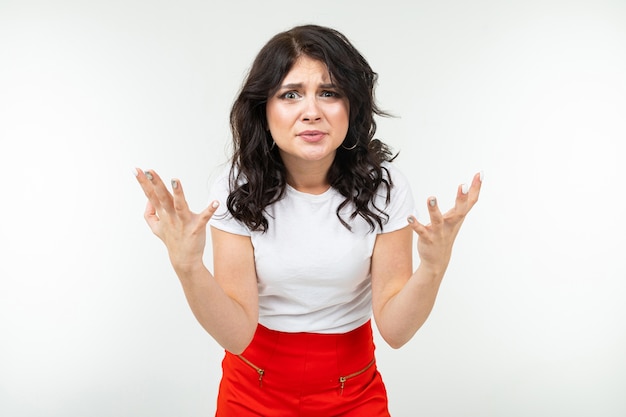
307, 67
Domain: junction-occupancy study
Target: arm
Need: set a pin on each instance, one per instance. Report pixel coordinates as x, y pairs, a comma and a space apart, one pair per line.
402, 301
226, 304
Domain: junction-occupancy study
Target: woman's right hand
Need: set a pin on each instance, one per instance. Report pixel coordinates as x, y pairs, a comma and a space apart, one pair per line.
182, 231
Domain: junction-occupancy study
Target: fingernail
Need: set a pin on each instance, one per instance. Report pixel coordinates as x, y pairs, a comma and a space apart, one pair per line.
464, 188
410, 219
432, 202
135, 172
174, 184
215, 204
148, 175
482, 175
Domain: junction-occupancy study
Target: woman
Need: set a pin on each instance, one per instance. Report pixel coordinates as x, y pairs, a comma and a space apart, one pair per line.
312, 230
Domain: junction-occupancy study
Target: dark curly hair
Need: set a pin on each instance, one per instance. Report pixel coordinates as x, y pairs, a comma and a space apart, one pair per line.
257, 175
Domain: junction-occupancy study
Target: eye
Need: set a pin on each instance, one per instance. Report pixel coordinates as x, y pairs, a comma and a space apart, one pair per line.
290, 95
329, 94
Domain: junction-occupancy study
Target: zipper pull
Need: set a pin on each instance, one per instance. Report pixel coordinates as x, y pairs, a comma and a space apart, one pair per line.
342, 381
261, 372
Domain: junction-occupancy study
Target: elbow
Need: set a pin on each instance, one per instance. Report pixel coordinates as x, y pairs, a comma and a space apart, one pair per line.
398, 337
395, 343
235, 351
394, 339
396, 346
237, 347
236, 342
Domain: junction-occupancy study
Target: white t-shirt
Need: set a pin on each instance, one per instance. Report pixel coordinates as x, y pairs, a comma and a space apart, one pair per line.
313, 273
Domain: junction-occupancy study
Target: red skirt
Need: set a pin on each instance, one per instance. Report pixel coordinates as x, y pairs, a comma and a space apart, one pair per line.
303, 374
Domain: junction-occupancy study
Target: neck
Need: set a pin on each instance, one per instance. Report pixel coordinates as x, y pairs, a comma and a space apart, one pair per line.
311, 178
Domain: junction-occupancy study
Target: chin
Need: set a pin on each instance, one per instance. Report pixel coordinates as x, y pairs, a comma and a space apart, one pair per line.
318, 156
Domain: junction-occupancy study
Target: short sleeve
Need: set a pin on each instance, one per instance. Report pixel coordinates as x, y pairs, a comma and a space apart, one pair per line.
401, 203
222, 219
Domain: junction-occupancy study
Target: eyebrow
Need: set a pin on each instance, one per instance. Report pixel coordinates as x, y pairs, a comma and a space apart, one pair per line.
300, 85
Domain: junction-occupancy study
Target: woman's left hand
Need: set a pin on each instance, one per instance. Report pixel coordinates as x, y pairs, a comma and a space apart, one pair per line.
436, 239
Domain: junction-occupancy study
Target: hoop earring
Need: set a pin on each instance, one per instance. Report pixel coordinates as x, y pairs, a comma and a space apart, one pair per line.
352, 147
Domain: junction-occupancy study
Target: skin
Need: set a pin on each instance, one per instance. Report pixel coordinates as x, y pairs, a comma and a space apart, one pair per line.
403, 301
225, 302
307, 102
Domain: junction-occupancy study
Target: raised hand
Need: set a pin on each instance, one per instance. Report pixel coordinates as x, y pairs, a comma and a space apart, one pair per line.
436, 239
182, 231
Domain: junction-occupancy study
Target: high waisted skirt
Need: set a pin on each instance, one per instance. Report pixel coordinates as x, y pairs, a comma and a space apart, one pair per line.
303, 374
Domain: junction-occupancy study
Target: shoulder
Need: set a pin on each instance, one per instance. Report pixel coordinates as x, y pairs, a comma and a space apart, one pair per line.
395, 176
220, 177
400, 203
391, 168
220, 191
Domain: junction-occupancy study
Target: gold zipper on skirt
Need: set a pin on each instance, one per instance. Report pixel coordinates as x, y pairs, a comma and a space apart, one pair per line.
342, 379
259, 371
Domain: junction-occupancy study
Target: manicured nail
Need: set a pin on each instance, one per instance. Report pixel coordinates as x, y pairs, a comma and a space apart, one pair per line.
135, 172
174, 184
410, 219
215, 204
464, 188
432, 202
482, 175
149, 175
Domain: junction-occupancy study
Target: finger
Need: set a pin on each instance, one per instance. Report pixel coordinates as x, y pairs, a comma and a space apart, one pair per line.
206, 214
461, 192
474, 190
457, 213
144, 182
466, 196
180, 202
419, 228
150, 215
433, 211
163, 196
146, 186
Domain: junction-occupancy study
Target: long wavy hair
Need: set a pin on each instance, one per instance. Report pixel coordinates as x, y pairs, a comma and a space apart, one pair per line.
258, 176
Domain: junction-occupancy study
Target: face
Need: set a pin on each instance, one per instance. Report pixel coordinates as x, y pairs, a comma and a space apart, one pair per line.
308, 117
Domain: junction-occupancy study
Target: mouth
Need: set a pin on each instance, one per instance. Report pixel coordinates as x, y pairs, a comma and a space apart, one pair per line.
312, 136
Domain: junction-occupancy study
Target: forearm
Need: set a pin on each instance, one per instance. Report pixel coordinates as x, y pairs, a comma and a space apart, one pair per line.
226, 320
404, 313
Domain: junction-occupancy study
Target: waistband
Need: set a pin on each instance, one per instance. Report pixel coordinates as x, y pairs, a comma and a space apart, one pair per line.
309, 359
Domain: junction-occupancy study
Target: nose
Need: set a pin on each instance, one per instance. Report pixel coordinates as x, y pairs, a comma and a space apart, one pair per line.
311, 111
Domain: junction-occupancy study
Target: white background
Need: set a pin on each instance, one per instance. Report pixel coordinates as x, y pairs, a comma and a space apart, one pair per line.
530, 320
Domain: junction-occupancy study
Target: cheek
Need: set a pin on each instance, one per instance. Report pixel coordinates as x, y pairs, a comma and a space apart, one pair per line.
277, 117
340, 116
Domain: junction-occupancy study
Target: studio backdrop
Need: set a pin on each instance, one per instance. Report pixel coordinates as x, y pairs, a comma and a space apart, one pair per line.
530, 319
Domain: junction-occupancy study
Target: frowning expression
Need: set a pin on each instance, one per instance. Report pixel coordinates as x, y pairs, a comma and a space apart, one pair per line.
308, 116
